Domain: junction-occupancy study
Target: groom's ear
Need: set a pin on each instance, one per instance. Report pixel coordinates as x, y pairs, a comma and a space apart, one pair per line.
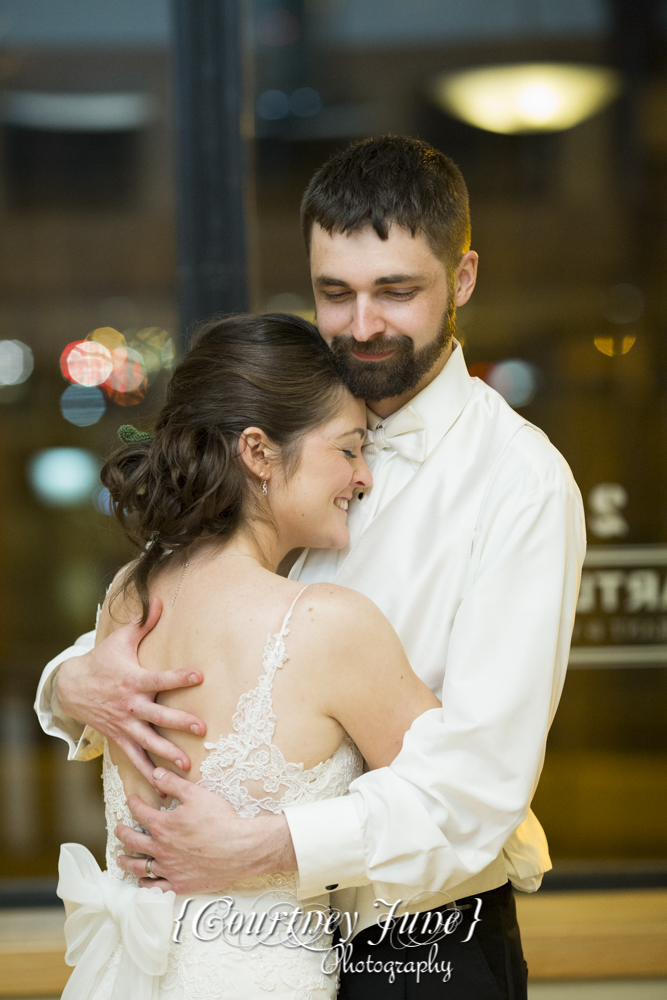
257, 452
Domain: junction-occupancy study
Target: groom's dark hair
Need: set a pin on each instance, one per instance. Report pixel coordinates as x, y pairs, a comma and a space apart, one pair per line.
391, 179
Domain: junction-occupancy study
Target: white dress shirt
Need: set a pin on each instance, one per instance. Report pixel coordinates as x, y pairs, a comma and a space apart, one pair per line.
457, 797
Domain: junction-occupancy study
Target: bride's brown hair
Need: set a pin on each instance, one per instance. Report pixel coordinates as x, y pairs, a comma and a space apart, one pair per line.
274, 372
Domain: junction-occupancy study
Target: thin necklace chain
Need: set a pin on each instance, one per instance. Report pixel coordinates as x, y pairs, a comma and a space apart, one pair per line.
224, 555
178, 587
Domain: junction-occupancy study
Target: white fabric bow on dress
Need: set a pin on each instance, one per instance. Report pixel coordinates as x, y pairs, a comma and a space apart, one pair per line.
104, 912
403, 432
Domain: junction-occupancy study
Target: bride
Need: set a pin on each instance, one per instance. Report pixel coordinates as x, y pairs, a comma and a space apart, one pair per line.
257, 451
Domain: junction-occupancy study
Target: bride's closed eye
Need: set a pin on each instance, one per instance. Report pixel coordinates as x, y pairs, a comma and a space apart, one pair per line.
348, 453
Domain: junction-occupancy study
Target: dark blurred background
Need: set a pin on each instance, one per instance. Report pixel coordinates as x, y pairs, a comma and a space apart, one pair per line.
563, 142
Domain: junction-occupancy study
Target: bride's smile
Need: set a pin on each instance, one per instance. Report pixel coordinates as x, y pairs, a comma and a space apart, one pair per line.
310, 506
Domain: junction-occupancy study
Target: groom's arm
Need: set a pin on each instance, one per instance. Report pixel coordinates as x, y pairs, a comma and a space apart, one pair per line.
98, 688
466, 775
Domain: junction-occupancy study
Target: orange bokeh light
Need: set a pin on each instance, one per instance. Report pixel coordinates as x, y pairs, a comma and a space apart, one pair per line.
128, 372
108, 336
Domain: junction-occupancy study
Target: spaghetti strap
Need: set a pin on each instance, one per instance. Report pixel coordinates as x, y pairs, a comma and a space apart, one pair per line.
284, 630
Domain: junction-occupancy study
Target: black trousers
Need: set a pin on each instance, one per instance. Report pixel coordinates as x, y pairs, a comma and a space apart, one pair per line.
405, 966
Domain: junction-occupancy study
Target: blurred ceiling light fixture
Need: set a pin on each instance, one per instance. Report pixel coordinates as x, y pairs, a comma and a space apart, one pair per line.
526, 97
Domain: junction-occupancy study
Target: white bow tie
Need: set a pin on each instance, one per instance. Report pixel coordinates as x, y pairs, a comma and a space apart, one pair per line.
403, 432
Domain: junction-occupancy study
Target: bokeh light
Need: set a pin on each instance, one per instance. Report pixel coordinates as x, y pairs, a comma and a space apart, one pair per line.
527, 97
64, 358
102, 501
278, 27
106, 335
515, 380
155, 347
86, 362
120, 363
128, 371
305, 102
272, 105
63, 477
127, 398
612, 346
16, 362
82, 405
168, 354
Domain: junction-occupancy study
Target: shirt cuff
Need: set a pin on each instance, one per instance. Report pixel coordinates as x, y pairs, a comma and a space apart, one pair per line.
60, 721
328, 844
51, 717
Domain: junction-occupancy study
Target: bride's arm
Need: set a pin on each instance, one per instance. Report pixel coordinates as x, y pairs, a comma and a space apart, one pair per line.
360, 671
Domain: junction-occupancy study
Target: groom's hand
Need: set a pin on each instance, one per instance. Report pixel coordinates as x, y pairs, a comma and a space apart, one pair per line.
203, 845
108, 690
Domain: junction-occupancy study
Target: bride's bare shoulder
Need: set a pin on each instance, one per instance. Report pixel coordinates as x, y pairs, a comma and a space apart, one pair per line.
330, 595
342, 615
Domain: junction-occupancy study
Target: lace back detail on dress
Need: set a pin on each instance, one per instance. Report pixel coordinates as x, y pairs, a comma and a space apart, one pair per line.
212, 969
116, 811
248, 755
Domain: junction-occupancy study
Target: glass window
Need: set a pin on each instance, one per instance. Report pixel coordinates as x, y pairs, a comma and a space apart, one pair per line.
565, 153
566, 173
87, 321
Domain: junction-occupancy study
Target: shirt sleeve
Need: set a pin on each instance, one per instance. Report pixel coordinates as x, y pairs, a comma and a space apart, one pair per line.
51, 717
466, 774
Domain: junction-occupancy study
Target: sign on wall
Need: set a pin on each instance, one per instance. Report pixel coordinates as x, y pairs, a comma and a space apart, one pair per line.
622, 611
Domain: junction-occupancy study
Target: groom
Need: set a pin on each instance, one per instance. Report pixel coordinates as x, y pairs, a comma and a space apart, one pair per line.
471, 541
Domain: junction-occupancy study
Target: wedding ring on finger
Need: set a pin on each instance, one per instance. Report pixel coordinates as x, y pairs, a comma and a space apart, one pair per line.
149, 870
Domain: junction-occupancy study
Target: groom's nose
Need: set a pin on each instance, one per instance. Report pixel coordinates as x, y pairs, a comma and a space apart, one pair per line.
367, 321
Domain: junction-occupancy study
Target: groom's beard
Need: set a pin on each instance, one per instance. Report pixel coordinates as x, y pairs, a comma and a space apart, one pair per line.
375, 380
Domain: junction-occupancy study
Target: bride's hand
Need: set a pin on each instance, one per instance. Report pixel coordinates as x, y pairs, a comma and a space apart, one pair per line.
203, 845
108, 690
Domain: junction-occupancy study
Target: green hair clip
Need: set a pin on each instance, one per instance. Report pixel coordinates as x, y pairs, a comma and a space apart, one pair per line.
130, 435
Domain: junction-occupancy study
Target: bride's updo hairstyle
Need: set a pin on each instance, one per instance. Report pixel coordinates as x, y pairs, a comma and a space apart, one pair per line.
273, 372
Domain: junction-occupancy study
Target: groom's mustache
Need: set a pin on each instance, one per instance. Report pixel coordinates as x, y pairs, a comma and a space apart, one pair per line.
381, 345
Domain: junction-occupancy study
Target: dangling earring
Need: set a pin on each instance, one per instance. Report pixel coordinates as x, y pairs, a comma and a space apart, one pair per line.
265, 489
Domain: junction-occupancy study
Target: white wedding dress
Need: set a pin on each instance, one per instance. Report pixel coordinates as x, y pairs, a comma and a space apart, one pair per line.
121, 938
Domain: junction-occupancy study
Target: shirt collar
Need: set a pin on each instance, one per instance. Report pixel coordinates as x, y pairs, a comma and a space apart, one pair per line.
440, 403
